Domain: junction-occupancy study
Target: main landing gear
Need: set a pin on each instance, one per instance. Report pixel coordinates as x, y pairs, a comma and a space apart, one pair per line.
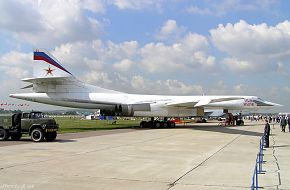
165, 123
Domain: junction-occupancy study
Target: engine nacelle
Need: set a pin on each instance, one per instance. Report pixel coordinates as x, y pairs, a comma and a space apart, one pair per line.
129, 109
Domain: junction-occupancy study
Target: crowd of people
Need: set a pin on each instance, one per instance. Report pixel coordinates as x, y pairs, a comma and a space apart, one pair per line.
284, 120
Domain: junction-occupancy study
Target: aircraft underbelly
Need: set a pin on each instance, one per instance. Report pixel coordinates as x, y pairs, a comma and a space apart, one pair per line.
170, 112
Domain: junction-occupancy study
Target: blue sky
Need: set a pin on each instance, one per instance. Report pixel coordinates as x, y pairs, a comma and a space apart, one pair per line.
180, 47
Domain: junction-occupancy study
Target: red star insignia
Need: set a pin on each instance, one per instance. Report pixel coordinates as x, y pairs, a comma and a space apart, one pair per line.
49, 71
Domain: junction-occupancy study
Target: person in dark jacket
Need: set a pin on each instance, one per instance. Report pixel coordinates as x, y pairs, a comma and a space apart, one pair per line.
288, 121
283, 123
267, 130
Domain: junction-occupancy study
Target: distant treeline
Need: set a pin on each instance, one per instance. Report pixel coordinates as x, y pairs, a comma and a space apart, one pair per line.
2, 111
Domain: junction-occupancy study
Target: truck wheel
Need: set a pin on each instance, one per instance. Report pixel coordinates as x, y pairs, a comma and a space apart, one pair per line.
37, 135
16, 136
143, 124
50, 136
3, 135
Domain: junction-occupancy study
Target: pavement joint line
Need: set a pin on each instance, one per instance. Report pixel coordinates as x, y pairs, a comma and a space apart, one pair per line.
212, 185
201, 163
87, 152
277, 163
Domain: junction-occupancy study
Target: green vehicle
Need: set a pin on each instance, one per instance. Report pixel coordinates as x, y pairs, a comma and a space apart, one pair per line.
34, 124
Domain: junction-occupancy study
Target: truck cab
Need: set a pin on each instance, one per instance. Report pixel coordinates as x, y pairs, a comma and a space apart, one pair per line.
35, 124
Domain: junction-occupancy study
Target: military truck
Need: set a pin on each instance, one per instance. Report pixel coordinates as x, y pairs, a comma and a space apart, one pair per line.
35, 124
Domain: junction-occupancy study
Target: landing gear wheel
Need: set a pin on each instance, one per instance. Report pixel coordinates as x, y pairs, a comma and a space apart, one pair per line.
172, 124
157, 124
37, 135
165, 125
3, 135
16, 136
50, 136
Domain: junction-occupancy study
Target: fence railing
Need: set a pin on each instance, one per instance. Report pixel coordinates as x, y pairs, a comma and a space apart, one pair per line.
259, 165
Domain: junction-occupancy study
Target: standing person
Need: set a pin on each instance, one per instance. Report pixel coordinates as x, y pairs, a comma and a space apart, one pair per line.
267, 134
288, 121
283, 123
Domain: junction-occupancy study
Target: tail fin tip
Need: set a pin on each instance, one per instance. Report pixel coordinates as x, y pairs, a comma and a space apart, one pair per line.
46, 57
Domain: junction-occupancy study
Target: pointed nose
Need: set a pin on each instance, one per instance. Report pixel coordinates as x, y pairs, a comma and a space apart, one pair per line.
272, 104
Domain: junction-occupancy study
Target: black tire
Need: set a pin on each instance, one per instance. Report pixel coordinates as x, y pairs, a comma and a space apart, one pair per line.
157, 124
3, 135
37, 135
143, 124
169, 124
150, 124
172, 124
165, 124
16, 136
50, 136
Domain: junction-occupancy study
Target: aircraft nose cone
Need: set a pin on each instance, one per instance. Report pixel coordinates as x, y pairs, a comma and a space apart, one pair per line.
273, 104
12, 96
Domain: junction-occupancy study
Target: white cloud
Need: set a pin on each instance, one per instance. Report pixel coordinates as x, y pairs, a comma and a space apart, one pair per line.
198, 10
171, 87
188, 54
236, 65
137, 5
170, 31
96, 6
223, 7
242, 39
15, 65
220, 87
124, 65
63, 21
253, 47
100, 78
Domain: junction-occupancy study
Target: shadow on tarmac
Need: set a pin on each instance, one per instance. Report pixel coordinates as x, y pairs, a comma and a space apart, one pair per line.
281, 146
227, 130
213, 128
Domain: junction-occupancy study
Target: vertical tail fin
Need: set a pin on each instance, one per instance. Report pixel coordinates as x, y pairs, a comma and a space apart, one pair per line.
52, 68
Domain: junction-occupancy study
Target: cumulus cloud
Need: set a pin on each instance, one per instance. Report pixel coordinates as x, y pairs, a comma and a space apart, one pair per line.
15, 65
243, 39
236, 65
170, 31
171, 87
253, 47
96, 6
220, 8
189, 53
137, 5
220, 87
37, 24
124, 65
100, 78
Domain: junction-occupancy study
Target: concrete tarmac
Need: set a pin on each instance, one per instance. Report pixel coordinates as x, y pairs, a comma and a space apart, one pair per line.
202, 157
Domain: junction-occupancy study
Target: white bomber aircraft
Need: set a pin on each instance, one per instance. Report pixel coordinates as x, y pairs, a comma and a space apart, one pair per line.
57, 86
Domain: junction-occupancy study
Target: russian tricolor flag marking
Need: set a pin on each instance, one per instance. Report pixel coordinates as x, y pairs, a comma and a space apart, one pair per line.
38, 55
